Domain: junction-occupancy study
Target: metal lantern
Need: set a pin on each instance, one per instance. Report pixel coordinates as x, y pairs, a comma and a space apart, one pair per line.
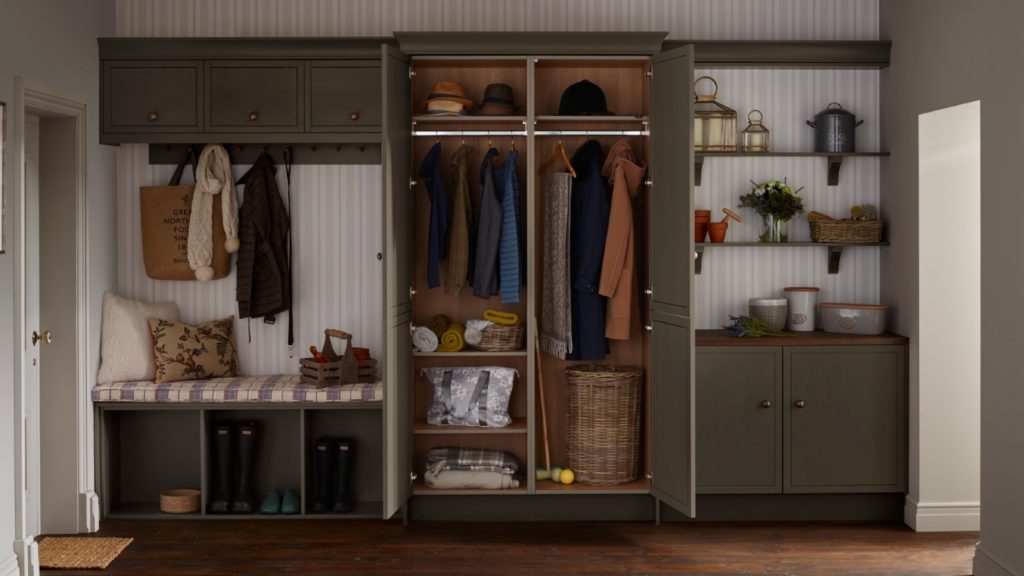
714, 124
755, 136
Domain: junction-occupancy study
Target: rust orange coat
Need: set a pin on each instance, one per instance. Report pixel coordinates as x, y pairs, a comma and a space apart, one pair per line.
618, 269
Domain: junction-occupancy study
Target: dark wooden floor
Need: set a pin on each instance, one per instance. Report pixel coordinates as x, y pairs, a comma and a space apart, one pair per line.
545, 549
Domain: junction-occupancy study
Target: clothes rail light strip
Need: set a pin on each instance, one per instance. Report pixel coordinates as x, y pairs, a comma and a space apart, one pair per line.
471, 133
592, 133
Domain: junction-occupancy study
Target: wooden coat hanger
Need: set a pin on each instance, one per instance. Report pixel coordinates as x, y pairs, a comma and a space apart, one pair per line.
556, 154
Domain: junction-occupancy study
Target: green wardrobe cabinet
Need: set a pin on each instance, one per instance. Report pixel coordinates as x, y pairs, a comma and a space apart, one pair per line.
739, 419
143, 98
255, 96
845, 415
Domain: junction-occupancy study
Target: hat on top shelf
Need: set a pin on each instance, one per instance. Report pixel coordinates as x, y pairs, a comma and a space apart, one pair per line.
448, 99
498, 100
583, 98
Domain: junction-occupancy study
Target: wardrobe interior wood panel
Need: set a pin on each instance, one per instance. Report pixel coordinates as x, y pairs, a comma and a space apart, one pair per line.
622, 81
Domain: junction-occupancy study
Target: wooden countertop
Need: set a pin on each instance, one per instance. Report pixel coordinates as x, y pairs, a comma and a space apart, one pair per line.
816, 338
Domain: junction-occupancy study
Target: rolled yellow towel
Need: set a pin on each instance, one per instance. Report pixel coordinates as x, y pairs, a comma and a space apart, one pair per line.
454, 339
439, 325
501, 318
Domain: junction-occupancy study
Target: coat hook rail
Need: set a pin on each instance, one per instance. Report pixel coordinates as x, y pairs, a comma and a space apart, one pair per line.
323, 153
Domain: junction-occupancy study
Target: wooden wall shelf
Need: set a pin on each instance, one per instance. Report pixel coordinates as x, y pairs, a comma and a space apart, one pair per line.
835, 251
835, 161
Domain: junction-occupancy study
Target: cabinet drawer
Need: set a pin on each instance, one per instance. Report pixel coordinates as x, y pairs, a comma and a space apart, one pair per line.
343, 96
739, 419
160, 96
255, 96
845, 424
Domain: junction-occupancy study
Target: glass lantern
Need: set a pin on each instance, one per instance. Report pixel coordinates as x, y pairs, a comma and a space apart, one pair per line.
714, 124
755, 136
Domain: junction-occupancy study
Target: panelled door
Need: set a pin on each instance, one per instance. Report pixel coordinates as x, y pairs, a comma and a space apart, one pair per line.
396, 164
671, 241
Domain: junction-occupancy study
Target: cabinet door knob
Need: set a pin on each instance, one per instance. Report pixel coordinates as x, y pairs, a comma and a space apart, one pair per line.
766, 403
649, 291
254, 116
152, 116
413, 476
412, 291
354, 116
800, 404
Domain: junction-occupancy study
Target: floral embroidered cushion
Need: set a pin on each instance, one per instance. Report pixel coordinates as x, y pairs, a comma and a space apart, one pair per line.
186, 352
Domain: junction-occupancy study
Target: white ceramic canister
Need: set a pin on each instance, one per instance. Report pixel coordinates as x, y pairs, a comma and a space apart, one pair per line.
803, 302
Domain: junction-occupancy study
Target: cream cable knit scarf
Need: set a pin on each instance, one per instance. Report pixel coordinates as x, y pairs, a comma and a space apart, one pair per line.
213, 176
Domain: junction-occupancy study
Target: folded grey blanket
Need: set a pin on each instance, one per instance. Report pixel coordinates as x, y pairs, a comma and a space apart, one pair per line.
470, 460
462, 479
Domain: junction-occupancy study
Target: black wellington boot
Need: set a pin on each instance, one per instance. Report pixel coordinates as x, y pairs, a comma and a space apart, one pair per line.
223, 456
324, 449
243, 502
343, 472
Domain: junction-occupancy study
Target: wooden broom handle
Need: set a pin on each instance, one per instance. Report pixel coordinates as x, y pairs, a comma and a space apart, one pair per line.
543, 404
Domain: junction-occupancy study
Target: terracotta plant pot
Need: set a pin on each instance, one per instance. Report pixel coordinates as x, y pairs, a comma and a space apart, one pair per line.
700, 221
716, 230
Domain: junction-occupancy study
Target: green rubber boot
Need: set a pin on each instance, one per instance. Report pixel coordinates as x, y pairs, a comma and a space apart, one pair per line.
271, 503
290, 502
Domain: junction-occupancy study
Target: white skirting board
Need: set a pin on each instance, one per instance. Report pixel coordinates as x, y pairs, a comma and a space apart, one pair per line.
985, 564
9, 566
942, 516
28, 556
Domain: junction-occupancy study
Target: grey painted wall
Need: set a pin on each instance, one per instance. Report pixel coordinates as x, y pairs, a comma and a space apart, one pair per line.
946, 53
53, 42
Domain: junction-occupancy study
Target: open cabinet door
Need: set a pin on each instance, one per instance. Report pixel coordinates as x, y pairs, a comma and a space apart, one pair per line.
671, 259
396, 162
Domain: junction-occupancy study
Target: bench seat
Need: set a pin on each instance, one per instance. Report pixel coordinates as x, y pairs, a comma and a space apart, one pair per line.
276, 388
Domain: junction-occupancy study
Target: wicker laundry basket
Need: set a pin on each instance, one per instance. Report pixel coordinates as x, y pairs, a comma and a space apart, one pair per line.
603, 445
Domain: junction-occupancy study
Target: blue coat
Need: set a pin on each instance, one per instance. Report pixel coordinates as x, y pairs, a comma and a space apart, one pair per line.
430, 173
591, 205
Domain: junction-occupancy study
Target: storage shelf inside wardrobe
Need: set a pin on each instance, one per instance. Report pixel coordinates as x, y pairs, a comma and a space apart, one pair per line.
422, 427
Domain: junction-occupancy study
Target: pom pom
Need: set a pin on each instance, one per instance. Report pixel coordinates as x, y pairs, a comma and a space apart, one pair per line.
204, 273
232, 244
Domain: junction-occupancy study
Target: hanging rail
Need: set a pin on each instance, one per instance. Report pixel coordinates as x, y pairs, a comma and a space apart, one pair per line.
468, 133
592, 133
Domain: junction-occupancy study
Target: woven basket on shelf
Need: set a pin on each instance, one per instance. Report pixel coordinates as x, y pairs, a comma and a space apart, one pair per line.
179, 501
846, 231
603, 445
498, 338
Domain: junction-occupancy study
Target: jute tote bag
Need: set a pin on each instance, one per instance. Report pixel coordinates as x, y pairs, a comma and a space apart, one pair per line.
165, 213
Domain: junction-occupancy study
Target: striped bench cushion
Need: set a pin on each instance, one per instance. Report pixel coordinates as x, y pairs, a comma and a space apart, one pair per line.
280, 388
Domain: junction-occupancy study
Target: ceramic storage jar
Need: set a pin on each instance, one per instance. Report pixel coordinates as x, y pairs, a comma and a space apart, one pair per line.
803, 302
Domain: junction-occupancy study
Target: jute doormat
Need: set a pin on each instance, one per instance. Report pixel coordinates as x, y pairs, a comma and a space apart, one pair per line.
77, 552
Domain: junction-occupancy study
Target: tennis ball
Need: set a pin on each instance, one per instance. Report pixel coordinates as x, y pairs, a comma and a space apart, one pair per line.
567, 477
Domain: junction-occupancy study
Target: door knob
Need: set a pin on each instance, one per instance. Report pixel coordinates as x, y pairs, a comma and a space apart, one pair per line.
766, 403
45, 337
800, 404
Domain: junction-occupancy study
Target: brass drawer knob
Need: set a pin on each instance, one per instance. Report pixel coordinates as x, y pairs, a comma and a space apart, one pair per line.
766, 403
254, 116
354, 116
800, 404
152, 116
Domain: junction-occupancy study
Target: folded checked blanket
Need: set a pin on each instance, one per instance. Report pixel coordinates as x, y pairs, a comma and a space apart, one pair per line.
470, 460
453, 339
502, 318
475, 331
466, 479
424, 339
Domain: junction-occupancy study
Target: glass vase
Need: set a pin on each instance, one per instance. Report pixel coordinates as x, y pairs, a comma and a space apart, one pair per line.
775, 229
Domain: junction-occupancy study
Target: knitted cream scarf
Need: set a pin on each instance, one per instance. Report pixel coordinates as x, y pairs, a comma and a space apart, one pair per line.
213, 176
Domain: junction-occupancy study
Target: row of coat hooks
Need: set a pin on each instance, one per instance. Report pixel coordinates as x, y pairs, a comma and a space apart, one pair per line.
324, 153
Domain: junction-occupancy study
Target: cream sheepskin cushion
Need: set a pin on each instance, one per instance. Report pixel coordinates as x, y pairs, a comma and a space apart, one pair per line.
126, 346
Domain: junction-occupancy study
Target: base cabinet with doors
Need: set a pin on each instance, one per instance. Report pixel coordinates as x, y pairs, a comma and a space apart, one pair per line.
802, 418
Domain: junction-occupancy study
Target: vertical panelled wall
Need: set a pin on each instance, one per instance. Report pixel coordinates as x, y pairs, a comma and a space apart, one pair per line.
337, 209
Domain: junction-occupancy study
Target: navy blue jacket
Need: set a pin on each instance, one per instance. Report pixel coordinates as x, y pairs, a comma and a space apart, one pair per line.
430, 173
591, 206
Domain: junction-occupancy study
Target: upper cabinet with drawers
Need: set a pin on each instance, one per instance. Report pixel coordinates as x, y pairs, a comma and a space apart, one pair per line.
175, 90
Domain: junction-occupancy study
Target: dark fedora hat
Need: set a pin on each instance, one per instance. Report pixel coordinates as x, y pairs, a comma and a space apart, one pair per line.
498, 100
583, 98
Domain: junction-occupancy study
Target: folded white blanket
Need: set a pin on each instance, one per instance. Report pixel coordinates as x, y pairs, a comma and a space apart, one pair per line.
459, 479
424, 339
474, 331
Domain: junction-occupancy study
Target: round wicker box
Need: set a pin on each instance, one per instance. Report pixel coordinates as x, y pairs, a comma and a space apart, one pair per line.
603, 445
179, 501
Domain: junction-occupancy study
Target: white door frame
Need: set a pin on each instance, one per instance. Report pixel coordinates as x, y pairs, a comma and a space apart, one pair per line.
28, 96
